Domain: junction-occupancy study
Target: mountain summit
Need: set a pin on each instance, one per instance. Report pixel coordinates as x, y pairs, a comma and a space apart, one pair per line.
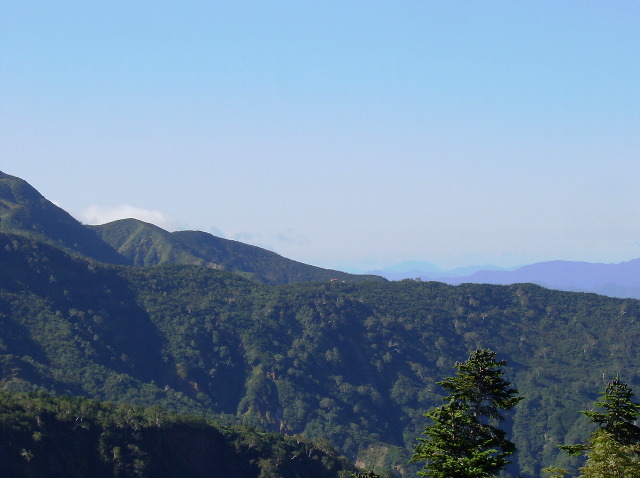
144, 244
24, 211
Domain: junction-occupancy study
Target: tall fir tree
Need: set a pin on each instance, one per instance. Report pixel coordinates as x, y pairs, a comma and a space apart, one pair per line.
620, 413
613, 449
608, 458
464, 440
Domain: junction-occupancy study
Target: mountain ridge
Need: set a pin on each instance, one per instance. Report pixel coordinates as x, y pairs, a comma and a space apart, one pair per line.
23, 210
145, 244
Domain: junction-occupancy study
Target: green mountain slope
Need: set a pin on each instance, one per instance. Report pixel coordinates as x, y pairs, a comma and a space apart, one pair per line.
353, 363
148, 245
46, 437
144, 244
24, 210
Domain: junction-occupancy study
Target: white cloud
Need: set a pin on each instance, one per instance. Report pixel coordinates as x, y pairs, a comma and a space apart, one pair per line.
95, 214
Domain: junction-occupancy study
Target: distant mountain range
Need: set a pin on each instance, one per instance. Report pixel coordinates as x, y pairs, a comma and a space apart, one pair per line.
428, 271
614, 280
23, 210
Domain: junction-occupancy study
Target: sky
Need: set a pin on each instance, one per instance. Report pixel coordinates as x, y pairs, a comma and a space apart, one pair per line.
344, 134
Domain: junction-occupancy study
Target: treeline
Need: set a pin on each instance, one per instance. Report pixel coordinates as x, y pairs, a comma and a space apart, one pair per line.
46, 436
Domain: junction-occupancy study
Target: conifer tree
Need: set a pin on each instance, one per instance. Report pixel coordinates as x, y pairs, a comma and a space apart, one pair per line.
608, 458
620, 413
613, 450
464, 440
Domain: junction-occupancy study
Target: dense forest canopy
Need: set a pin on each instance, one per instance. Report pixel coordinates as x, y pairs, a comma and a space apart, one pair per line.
49, 436
353, 363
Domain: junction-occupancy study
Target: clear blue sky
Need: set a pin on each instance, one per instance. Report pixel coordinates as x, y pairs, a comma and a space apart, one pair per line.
339, 133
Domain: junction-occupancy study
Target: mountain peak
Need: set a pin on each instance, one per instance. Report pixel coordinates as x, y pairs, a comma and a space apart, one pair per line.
144, 244
23, 210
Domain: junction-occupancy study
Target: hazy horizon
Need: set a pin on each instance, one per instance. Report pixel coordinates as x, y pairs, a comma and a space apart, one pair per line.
343, 135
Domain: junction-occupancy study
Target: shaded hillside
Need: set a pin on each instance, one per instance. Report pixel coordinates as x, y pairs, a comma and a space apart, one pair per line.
24, 210
45, 436
354, 363
148, 245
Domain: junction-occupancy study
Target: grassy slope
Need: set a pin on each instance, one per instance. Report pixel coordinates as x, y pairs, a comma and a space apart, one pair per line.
147, 245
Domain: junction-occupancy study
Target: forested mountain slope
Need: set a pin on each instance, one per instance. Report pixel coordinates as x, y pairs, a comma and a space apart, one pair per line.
23, 210
148, 245
355, 363
46, 437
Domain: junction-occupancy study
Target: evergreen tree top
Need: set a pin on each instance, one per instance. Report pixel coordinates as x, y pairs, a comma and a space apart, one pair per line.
620, 413
459, 443
479, 382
